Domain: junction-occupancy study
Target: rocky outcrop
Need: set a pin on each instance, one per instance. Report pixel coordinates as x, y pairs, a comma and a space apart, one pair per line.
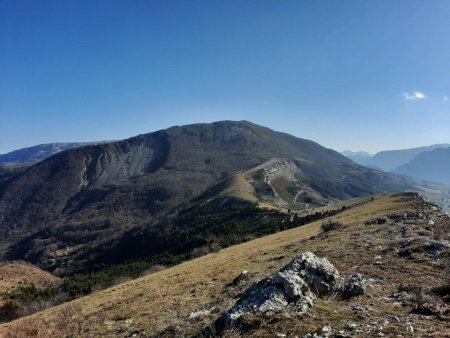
320, 275
297, 285
425, 244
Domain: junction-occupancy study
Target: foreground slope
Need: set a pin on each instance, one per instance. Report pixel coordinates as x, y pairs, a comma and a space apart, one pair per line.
168, 303
67, 211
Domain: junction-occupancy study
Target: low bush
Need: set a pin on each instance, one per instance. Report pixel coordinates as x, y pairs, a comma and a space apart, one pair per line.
331, 225
9, 310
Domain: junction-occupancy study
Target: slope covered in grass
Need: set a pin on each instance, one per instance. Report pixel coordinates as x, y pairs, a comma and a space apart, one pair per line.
162, 303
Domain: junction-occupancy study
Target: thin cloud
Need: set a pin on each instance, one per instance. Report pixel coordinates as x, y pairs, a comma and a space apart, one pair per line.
415, 95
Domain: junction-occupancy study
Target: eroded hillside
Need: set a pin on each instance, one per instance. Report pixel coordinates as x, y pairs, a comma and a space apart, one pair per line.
391, 240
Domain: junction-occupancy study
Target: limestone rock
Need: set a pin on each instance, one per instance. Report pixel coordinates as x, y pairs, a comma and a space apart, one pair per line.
298, 283
320, 275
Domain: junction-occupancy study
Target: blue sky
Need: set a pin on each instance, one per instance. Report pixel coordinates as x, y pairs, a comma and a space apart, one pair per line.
360, 75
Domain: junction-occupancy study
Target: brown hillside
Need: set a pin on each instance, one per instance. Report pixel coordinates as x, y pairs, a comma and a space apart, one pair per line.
14, 274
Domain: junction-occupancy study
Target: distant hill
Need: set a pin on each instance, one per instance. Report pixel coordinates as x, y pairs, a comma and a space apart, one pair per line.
16, 274
37, 153
359, 157
141, 197
391, 159
431, 165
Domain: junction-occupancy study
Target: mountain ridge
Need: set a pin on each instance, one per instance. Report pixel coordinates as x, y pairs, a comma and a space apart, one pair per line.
433, 165
77, 205
388, 160
34, 154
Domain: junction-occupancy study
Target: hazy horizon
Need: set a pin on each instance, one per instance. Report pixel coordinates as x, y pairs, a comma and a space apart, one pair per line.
112, 140
360, 76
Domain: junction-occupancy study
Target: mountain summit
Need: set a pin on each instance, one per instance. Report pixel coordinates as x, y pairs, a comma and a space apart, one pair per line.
96, 193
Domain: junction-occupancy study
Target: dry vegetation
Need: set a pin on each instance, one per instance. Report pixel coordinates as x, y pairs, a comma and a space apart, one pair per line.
161, 303
15, 274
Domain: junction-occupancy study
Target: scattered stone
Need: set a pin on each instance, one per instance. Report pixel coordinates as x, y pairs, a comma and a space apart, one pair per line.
327, 331
352, 326
356, 308
377, 260
239, 279
341, 334
354, 285
409, 328
199, 313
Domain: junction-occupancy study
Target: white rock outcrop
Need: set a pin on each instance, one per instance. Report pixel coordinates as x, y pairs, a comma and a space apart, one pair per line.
298, 284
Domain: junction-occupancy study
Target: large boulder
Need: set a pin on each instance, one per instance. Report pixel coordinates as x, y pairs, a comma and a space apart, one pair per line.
298, 284
320, 275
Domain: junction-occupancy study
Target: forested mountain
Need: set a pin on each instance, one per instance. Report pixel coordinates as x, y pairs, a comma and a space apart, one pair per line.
91, 200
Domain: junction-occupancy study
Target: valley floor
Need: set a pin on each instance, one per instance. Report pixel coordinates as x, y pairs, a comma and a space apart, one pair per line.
186, 299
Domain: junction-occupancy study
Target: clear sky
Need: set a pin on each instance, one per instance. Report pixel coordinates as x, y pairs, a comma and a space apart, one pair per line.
360, 75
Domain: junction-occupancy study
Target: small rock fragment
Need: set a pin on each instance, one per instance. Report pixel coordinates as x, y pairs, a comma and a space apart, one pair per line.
354, 285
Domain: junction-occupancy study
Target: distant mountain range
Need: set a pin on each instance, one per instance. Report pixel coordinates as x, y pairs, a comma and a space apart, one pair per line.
31, 155
431, 165
357, 156
142, 197
425, 163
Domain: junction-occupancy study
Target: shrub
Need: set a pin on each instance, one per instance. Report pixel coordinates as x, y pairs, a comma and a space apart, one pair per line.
331, 225
9, 310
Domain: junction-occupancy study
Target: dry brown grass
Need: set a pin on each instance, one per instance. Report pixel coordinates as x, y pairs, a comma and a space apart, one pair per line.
160, 303
26, 328
15, 274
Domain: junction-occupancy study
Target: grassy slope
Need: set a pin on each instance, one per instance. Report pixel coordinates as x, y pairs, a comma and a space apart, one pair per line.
12, 275
164, 299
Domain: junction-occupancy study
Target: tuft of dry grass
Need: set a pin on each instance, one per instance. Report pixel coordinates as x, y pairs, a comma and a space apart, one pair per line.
26, 328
